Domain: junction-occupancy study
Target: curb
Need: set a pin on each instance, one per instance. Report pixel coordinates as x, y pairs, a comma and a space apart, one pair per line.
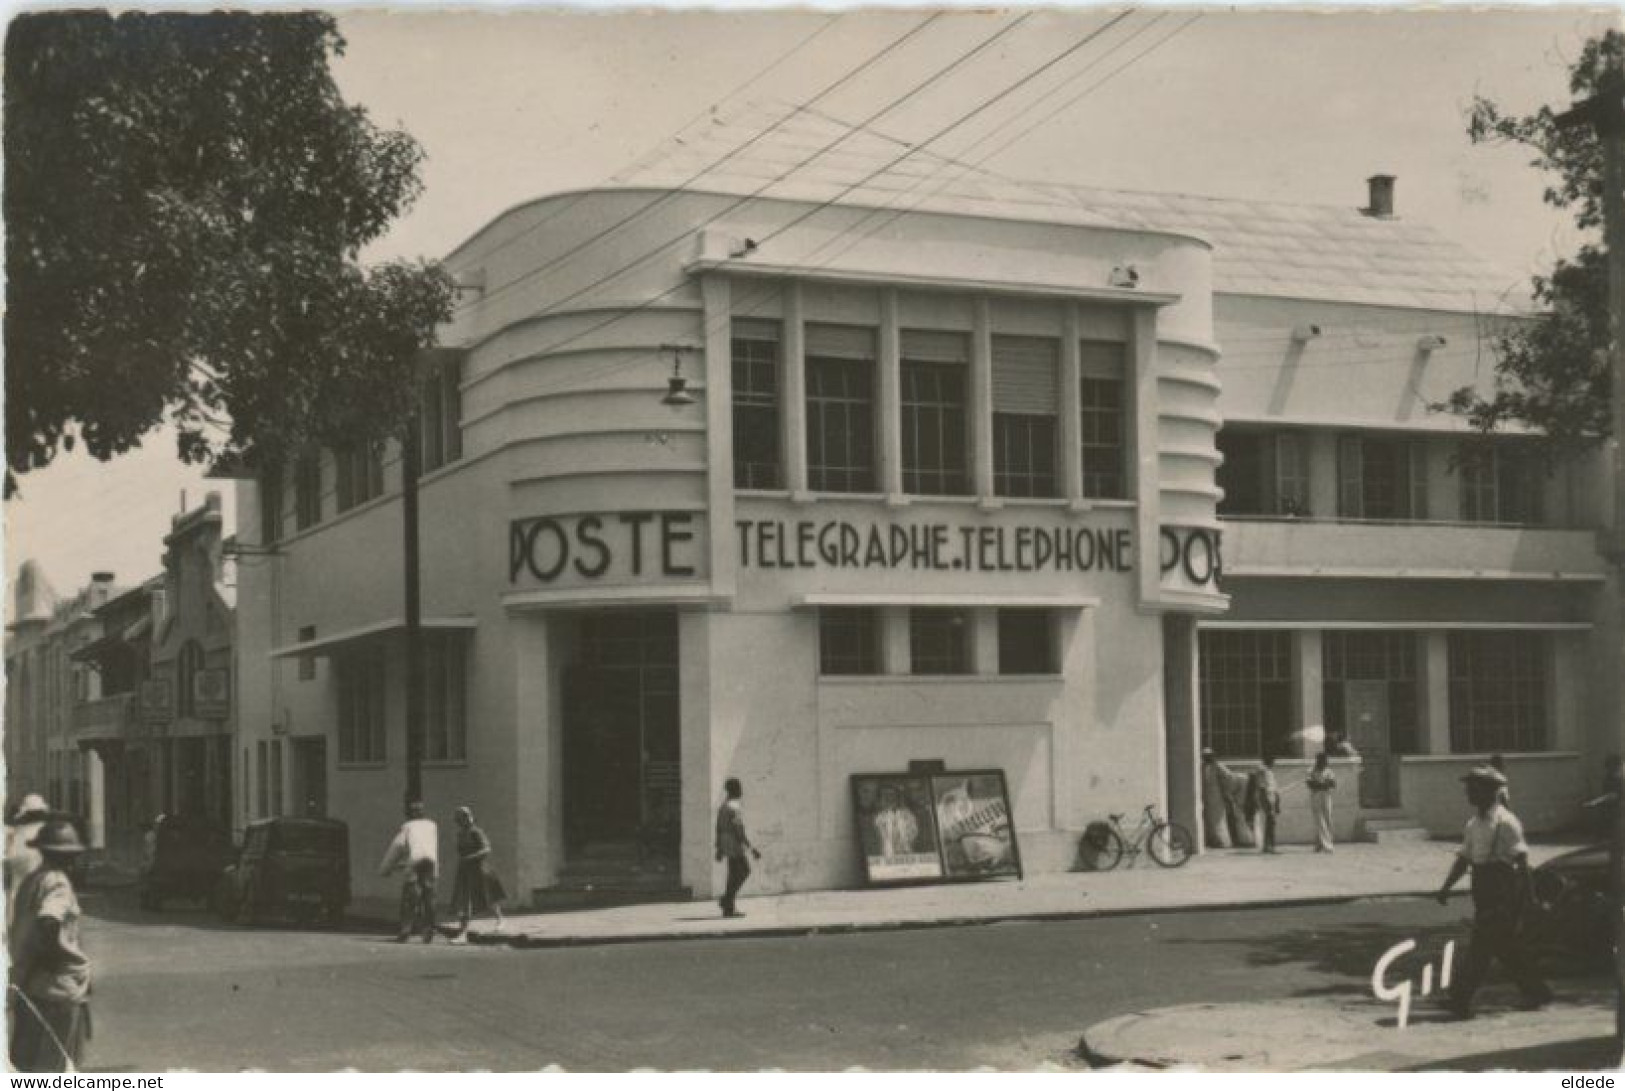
527, 942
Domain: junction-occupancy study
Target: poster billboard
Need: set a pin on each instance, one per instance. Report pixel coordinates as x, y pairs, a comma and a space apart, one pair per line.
925, 828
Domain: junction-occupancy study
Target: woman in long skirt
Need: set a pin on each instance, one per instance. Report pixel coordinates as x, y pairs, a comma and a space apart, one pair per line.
478, 890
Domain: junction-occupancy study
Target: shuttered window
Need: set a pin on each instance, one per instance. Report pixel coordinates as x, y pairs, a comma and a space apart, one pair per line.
756, 368
1104, 430
935, 420
840, 370
1381, 478
1025, 395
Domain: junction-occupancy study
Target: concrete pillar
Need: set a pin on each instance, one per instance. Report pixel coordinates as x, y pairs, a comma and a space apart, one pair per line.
1308, 690
984, 637
703, 769
1181, 719
537, 780
95, 800
793, 390
719, 423
888, 412
1566, 697
1145, 483
981, 401
895, 654
1071, 408
1323, 474
1435, 696
1444, 482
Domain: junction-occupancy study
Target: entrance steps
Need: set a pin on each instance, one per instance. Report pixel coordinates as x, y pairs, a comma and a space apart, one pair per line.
599, 877
1388, 825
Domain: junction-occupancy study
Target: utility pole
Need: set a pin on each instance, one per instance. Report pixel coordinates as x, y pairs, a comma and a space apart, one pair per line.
1605, 113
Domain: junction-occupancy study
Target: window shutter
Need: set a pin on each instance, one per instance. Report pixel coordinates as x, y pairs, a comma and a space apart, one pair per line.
1102, 359
1025, 375
755, 329
935, 347
841, 342
1350, 480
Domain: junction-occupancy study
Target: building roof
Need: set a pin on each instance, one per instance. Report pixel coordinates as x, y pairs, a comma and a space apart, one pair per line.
1260, 248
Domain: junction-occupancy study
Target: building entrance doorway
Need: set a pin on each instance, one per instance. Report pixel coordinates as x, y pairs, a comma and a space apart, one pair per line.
1366, 712
622, 777
309, 777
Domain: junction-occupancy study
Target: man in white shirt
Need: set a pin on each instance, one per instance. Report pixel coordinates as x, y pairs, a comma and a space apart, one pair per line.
1494, 849
417, 847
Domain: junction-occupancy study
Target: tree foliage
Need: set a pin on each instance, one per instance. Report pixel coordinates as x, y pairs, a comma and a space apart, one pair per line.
186, 198
1553, 375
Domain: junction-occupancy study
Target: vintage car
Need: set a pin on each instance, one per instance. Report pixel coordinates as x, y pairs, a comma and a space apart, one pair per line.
1571, 901
288, 867
187, 857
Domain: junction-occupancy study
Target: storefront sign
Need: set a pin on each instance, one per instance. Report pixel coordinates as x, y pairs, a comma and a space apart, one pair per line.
609, 546
941, 547
156, 705
1190, 558
947, 826
211, 694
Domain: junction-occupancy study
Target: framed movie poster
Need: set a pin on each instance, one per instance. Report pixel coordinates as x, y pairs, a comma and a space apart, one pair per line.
975, 826
896, 826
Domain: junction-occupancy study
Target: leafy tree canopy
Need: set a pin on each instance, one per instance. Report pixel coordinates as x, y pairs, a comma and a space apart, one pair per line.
186, 197
1553, 375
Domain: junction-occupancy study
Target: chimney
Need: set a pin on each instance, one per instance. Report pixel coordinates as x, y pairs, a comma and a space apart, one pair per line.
1381, 203
101, 587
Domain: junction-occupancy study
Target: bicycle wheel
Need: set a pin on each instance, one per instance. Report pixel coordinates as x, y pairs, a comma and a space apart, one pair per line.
1170, 845
1100, 847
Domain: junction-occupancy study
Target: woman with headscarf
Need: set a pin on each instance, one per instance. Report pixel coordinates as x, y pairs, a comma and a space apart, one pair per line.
477, 890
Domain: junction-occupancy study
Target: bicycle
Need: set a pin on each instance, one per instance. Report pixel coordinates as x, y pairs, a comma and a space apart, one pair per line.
1104, 844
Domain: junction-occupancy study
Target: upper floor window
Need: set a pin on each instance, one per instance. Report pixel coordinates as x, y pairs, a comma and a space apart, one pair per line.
361, 706
1498, 686
1501, 483
939, 640
188, 665
440, 415
1103, 404
1264, 473
757, 464
445, 700
1381, 478
360, 475
936, 443
840, 408
1024, 412
307, 492
848, 640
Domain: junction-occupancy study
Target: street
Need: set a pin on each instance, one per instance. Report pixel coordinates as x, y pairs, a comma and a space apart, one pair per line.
180, 990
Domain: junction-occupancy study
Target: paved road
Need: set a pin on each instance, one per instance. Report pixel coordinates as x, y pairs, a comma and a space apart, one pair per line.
181, 991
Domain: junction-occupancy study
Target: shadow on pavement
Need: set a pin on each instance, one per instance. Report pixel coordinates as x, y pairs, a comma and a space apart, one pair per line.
1577, 1054
121, 906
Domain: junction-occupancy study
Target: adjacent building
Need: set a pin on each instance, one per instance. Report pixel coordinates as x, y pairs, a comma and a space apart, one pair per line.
800, 479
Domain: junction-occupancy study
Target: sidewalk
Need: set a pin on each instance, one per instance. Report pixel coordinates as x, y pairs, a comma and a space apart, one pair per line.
1217, 880
1358, 1034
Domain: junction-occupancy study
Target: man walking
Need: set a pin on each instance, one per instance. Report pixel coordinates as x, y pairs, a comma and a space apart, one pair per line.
732, 844
417, 846
1494, 849
50, 975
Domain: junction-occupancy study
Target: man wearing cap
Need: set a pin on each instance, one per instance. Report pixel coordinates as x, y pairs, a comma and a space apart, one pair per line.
23, 827
49, 970
1494, 848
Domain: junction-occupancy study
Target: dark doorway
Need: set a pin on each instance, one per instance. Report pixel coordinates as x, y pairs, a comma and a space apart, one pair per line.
310, 778
622, 779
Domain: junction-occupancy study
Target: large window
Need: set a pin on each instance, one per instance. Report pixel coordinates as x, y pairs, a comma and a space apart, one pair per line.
1027, 642
939, 640
840, 408
848, 640
1384, 661
1498, 685
1104, 420
1024, 412
361, 707
936, 443
360, 474
307, 492
445, 700
1501, 483
440, 415
1264, 473
1381, 478
1246, 687
757, 464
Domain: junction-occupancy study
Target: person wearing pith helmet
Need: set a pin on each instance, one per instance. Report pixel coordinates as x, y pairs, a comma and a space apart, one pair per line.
1494, 850
50, 974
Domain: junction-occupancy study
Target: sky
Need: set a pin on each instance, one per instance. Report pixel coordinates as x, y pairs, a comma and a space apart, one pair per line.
1263, 105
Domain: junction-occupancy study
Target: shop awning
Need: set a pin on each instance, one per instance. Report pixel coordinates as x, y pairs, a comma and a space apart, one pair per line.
989, 599
378, 631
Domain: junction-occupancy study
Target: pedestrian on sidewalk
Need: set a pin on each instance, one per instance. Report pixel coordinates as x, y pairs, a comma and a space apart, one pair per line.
733, 843
1222, 805
50, 975
477, 888
1494, 849
21, 828
1321, 784
1264, 801
416, 847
